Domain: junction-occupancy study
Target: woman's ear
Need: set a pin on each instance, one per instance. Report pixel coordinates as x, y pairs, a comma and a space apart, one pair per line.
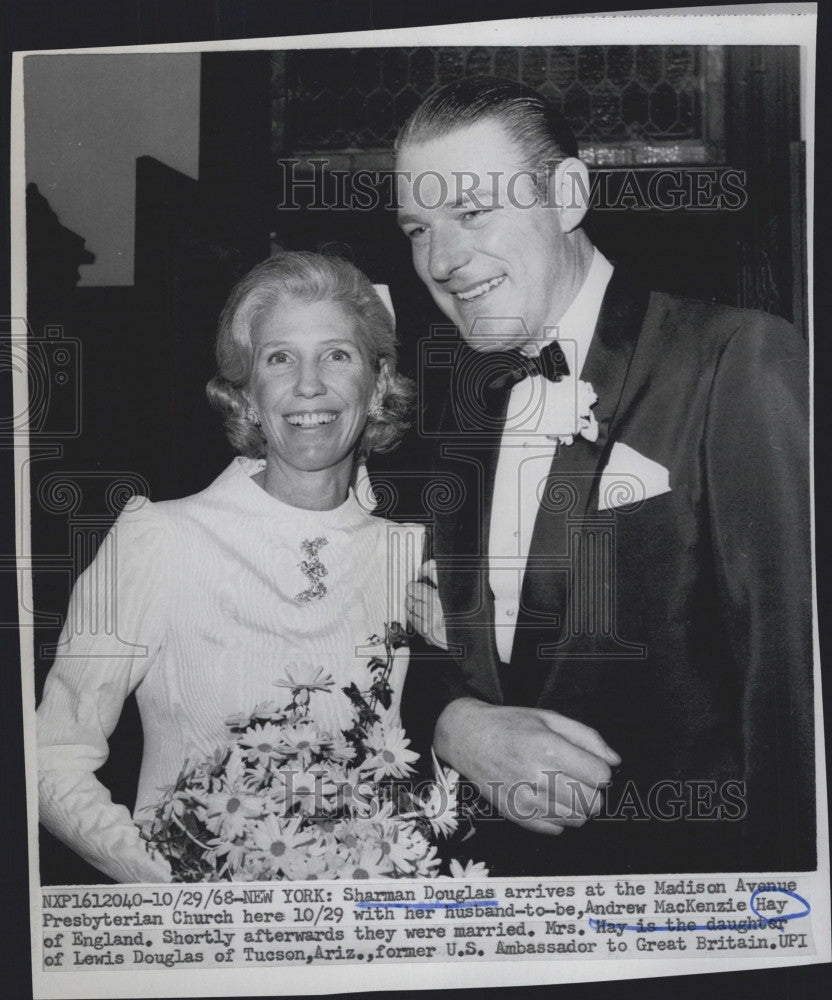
571, 192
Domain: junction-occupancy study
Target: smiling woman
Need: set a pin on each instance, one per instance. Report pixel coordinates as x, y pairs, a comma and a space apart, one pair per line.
304, 313
275, 570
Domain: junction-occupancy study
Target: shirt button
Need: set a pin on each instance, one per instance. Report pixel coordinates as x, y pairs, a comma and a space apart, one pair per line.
516, 534
510, 613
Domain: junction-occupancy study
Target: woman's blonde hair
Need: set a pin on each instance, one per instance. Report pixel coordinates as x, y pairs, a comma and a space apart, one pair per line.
306, 277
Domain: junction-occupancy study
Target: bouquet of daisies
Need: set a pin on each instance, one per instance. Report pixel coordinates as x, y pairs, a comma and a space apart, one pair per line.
286, 799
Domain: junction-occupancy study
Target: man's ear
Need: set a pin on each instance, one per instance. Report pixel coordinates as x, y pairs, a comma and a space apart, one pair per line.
571, 192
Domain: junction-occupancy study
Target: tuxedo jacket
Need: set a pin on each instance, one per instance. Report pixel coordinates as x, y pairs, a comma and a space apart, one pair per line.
677, 622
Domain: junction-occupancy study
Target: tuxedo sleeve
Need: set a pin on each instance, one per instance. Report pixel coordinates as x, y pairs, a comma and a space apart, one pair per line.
434, 679
757, 467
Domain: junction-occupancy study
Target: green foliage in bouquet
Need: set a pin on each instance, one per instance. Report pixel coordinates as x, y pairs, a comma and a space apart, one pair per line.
286, 799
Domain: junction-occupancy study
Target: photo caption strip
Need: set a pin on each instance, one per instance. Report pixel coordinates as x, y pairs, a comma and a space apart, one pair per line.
255, 925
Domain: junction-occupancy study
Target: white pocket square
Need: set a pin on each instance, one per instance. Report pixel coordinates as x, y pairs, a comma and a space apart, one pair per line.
630, 477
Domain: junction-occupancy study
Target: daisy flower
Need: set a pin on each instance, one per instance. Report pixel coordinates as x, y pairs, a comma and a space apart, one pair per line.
472, 869
369, 863
262, 743
312, 867
425, 866
349, 833
234, 852
326, 826
306, 677
394, 844
416, 846
365, 826
354, 792
390, 757
353, 831
284, 843
274, 792
338, 750
210, 766
438, 806
444, 774
240, 720
235, 767
268, 711
254, 869
228, 810
311, 791
238, 775
302, 740
325, 787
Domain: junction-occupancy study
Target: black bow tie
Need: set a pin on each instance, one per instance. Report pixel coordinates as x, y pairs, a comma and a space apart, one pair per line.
511, 367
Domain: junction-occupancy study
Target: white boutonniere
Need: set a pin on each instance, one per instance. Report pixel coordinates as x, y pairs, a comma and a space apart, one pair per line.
570, 411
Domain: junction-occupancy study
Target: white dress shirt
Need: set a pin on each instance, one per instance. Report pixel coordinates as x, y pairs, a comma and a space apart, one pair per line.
535, 410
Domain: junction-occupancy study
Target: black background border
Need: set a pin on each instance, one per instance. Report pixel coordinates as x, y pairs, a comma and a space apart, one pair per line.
45, 24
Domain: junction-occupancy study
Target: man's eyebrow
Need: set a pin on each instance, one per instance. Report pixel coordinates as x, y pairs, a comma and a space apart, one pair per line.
479, 196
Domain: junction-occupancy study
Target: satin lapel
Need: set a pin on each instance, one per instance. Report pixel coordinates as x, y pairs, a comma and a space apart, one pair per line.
606, 367
462, 557
571, 489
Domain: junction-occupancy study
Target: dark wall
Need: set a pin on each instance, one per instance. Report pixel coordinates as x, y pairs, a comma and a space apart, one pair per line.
124, 369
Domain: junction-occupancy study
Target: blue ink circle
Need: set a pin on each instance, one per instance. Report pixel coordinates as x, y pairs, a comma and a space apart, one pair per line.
787, 892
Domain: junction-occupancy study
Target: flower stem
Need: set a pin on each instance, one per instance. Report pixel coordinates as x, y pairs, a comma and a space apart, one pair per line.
175, 819
385, 674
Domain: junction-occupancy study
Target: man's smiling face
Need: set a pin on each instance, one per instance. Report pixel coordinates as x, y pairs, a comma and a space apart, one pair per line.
494, 258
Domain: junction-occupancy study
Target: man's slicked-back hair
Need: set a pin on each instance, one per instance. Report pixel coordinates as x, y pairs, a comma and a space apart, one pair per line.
540, 131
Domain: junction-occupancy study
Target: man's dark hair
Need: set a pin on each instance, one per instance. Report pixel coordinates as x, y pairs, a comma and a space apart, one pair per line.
539, 129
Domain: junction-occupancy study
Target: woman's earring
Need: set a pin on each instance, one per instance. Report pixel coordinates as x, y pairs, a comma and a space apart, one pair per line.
376, 410
252, 416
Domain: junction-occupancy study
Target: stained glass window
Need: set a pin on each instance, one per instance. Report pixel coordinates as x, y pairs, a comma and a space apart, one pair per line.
628, 104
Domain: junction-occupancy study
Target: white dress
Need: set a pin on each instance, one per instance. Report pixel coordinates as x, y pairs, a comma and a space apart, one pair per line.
199, 605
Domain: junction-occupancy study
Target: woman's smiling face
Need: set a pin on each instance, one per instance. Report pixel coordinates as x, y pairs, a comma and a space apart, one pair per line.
311, 385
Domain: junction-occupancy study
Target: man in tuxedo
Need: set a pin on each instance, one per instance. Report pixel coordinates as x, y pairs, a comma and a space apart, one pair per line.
626, 580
